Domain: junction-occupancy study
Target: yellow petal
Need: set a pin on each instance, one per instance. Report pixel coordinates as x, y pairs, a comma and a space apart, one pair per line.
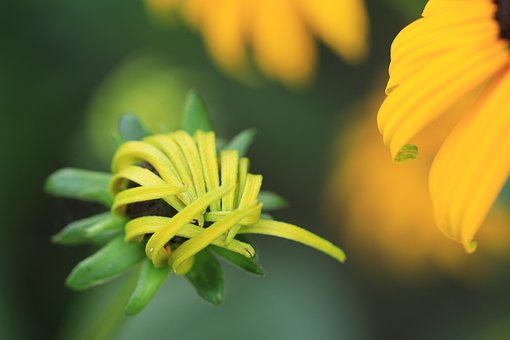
206, 142
294, 233
282, 46
196, 244
223, 24
144, 193
434, 89
137, 228
229, 169
346, 35
472, 165
154, 246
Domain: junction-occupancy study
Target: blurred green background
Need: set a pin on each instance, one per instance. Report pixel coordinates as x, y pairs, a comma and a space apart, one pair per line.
69, 69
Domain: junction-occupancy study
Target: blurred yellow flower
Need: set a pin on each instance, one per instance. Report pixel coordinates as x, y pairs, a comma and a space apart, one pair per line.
279, 32
458, 49
386, 217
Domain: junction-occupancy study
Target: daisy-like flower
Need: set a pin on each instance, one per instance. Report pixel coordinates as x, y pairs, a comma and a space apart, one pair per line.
173, 200
458, 49
279, 32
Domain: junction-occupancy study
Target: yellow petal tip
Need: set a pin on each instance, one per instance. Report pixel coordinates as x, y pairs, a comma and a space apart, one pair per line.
470, 246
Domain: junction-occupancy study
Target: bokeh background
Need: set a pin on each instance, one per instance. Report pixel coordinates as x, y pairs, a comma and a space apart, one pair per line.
69, 69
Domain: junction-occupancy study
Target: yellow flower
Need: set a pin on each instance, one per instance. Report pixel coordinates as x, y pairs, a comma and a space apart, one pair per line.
385, 211
458, 49
279, 32
204, 200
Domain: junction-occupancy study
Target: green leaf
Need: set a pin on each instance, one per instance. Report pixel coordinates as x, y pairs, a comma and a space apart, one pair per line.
116, 257
238, 260
95, 230
149, 282
242, 141
271, 201
80, 184
131, 128
207, 278
195, 115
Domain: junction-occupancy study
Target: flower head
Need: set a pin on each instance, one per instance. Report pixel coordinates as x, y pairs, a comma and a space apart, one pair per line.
280, 32
174, 198
459, 49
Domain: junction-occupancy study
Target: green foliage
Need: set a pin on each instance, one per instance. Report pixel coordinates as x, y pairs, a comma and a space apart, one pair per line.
95, 230
80, 184
195, 115
149, 282
207, 277
131, 128
272, 201
238, 260
242, 141
113, 259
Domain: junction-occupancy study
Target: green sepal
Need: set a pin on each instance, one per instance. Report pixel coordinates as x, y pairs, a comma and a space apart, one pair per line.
95, 229
116, 257
131, 128
271, 201
207, 277
242, 141
80, 184
238, 260
149, 282
195, 115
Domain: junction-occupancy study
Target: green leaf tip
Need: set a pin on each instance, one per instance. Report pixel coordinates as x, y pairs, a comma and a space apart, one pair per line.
131, 128
91, 230
271, 201
241, 142
149, 282
207, 277
80, 184
407, 153
195, 116
238, 260
115, 258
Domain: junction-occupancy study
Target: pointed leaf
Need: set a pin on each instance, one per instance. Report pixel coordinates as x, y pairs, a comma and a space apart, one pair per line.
242, 141
95, 229
80, 184
195, 115
113, 259
271, 201
131, 128
238, 260
149, 282
207, 278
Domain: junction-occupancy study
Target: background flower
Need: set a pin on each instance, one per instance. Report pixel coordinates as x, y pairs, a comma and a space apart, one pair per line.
279, 32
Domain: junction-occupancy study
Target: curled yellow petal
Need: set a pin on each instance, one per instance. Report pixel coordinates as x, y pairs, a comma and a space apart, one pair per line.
196, 244
294, 233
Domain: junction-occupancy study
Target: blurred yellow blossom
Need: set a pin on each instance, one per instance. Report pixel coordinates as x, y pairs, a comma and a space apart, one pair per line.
386, 214
278, 32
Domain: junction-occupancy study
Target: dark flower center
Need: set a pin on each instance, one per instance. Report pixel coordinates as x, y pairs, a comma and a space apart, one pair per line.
503, 18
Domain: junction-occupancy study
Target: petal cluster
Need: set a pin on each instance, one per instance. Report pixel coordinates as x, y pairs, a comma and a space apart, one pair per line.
214, 199
439, 62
